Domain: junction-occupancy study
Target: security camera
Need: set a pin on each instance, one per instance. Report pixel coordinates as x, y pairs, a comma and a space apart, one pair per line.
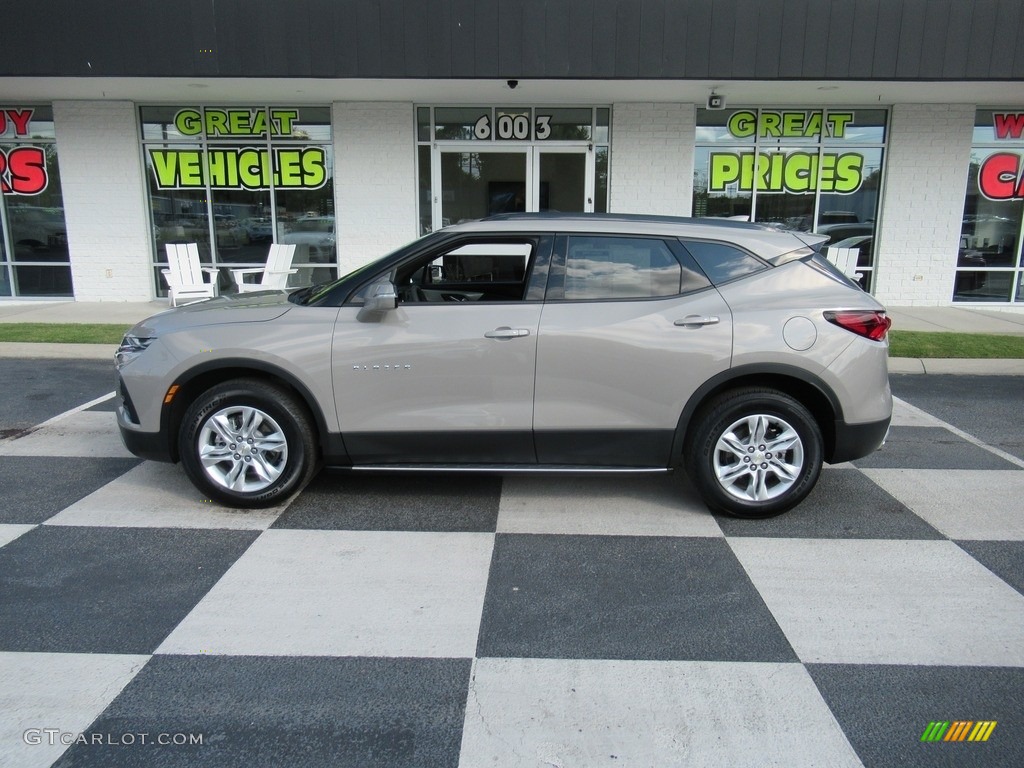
512, 84
716, 101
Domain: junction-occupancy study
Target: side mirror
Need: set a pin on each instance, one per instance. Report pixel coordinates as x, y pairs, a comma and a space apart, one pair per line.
383, 297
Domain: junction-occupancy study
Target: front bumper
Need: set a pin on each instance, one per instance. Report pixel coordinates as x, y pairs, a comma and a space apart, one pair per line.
153, 446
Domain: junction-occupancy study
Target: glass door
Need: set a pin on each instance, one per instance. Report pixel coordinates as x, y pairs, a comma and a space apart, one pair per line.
565, 179
475, 183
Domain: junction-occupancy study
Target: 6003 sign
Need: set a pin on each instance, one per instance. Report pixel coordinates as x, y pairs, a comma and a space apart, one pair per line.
512, 127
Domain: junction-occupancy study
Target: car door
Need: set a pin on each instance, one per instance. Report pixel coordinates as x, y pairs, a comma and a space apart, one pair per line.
446, 376
631, 328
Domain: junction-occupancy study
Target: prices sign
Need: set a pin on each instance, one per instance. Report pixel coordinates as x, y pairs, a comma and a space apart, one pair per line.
243, 167
22, 167
795, 172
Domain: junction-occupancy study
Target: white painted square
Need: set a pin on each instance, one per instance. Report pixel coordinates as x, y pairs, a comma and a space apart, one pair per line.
9, 532
649, 505
158, 495
345, 593
886, 602
60, 691
961, 503
562, 712
91, 434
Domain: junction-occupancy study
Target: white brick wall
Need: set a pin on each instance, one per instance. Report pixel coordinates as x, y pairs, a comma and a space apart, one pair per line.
103, 185
652, 158
374, 179
923, 205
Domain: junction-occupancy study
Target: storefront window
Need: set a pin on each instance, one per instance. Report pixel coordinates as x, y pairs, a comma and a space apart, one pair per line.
234, 180
803, 169
989, 262
33, 236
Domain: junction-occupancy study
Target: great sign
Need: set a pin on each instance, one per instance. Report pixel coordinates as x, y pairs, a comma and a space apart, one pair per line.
238, 167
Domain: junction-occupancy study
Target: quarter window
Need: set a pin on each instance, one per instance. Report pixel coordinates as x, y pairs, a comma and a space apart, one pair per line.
722, 262
620, 268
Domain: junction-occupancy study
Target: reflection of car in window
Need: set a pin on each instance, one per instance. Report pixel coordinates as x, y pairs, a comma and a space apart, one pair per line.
315, 237
38, 228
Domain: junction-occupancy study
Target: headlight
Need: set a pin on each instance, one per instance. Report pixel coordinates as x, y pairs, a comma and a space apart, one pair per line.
131, 347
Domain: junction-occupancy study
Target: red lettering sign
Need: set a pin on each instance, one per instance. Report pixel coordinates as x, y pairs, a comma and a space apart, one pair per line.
17, 119
1008, 125
23, 171
1001, 177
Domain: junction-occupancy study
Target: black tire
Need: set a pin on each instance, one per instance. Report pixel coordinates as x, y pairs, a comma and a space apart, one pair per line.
275, 457
762, 483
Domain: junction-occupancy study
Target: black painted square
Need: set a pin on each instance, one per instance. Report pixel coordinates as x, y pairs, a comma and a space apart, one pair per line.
931, 448
407, 501
287, 711
845, 504
884, 711
70, 589
35, 488
624, 597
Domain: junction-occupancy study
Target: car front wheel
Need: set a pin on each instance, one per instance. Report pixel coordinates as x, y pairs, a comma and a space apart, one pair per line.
247, 443
755, 453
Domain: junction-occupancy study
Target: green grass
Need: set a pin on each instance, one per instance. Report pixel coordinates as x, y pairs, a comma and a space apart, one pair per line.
63, 333
943, 344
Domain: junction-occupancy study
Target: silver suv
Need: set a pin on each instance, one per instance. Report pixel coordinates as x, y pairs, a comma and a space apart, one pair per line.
527, 342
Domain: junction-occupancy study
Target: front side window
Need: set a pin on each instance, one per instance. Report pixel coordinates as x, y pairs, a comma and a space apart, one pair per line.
989, 265
470, 272
619, 268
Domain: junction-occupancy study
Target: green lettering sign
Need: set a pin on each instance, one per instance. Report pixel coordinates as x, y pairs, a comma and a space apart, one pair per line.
248, 168
798, 173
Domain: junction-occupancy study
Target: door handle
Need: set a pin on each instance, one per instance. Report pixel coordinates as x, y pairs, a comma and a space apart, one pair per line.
693, 321
507, 333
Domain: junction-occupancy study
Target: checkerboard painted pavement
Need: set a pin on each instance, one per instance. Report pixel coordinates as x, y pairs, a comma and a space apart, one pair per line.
441, 620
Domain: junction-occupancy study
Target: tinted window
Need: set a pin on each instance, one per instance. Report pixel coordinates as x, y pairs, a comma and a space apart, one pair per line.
722, 262
619, 268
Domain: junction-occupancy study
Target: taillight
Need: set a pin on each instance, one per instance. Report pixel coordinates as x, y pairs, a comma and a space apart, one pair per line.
871, 325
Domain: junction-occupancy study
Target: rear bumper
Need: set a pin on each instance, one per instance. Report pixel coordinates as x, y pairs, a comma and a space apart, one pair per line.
855, 441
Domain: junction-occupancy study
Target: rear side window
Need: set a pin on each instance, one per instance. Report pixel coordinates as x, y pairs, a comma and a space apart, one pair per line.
619, 268
721, 262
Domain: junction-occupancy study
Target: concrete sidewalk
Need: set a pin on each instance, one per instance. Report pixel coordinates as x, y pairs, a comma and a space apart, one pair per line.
959, 319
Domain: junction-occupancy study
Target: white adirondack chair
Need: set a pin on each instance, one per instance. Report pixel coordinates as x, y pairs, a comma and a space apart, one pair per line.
845, 260
184, 275
275, 273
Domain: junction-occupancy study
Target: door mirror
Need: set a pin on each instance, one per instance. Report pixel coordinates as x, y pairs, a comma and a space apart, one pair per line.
382, 297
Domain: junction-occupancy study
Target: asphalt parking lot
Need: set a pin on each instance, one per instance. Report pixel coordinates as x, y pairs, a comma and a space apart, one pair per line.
435, 620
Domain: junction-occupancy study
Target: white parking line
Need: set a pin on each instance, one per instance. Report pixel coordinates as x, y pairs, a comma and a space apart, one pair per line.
913, 409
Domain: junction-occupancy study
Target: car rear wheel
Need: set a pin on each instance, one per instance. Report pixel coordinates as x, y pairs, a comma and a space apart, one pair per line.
247, 443
755, 453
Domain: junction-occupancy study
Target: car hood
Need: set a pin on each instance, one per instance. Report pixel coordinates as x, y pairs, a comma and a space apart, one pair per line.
256, 307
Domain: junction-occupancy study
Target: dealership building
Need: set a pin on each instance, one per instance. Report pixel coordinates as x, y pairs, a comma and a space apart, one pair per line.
895, 127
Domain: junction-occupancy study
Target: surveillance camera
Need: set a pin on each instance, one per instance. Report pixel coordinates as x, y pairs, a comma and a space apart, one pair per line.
716, 101
512, 84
